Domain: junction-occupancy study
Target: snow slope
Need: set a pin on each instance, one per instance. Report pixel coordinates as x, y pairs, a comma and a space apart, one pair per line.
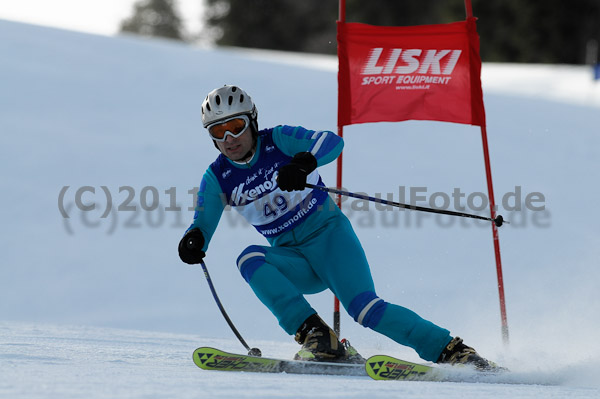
46, 361
121, 115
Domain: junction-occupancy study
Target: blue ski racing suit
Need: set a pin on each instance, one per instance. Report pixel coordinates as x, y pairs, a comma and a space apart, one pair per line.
313, 246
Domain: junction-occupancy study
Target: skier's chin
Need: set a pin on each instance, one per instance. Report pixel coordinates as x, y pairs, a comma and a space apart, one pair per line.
236, 156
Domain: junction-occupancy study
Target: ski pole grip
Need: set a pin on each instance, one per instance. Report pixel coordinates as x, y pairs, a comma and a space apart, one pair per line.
191, 243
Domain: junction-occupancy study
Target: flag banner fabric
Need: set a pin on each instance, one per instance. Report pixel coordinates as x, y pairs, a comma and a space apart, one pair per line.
398, 73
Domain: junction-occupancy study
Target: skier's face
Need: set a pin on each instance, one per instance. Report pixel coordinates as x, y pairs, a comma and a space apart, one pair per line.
236, 149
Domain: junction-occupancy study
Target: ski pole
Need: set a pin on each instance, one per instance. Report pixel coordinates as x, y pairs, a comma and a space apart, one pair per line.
499, 220
251, 351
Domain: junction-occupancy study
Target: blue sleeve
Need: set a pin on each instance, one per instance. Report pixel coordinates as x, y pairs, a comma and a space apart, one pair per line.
324, 145
209, 207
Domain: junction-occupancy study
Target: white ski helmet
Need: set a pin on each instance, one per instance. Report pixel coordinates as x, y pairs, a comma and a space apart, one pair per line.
226, 102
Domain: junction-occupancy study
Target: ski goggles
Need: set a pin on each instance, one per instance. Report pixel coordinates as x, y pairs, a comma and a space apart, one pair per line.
233, 127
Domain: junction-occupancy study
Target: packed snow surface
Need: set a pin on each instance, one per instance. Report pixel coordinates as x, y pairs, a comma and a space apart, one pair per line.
40, 361
96, 303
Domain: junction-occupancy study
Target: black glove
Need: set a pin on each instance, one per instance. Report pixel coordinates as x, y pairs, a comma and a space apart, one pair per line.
190, 247
293, 175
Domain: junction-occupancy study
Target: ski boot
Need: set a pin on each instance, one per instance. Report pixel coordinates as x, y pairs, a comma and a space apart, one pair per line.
352, 355
321, 344
457, 353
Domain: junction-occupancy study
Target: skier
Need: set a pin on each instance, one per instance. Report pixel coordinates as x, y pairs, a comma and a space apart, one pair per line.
262, 174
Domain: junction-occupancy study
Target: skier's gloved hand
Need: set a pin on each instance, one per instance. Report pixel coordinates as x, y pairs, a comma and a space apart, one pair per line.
293, 175
190, 247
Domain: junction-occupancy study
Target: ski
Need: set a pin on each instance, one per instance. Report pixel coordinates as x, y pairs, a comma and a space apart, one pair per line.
382, 367
214, 359
379, 367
